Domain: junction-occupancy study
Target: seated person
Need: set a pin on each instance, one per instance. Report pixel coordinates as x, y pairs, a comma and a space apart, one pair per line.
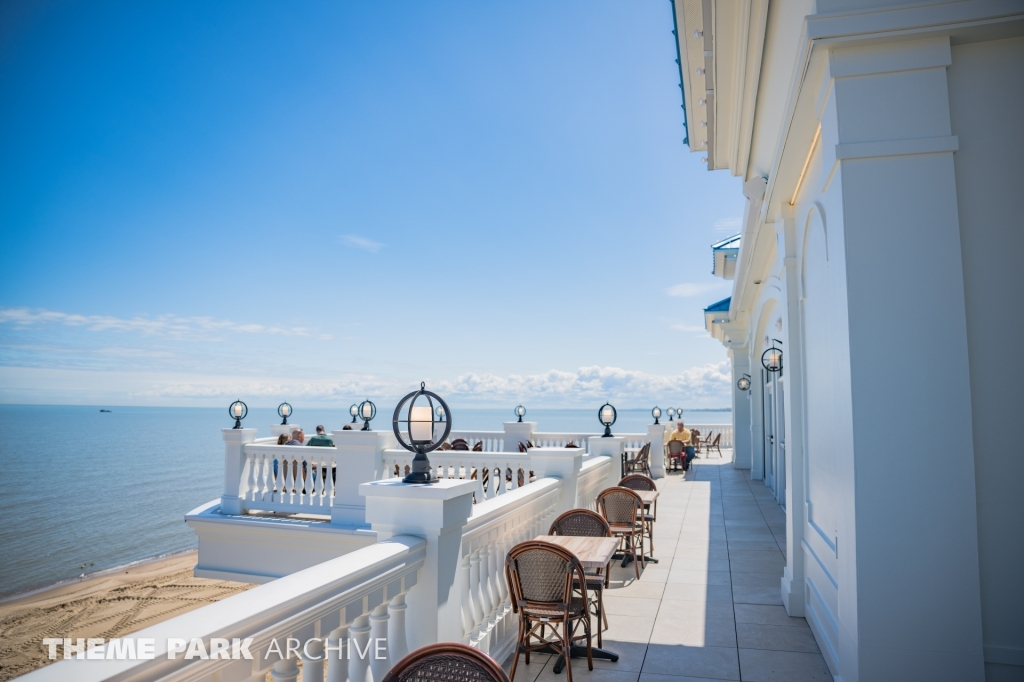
321, 439
683, 434
282, 439
298, 437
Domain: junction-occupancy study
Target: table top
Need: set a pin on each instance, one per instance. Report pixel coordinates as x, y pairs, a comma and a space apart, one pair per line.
647, 496
592, 552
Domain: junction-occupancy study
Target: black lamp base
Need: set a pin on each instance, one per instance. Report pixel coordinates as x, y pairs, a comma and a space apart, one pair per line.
607, 432
420, 477
284, 422
238, 424
366, 427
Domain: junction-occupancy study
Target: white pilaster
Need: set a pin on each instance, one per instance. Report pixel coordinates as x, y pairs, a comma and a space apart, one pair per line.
742, 450
235, 470
437, 513
516, 433
613, 447
656, 435
359, 460
563, 463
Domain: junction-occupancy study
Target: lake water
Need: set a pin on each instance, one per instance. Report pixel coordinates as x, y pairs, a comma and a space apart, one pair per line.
82, 491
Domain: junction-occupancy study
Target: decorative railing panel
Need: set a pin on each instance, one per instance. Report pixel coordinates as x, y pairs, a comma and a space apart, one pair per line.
495, 527
289, 478
545, 439
492, 441
495, 472
592, 480
351, 600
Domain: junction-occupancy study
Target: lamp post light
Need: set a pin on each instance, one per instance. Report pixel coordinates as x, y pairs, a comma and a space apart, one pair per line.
607, 416
771, 359
367, 411
520, 412
656, 413
421, 427
354, 411
284, 410
744, 383
671, 414
238, 410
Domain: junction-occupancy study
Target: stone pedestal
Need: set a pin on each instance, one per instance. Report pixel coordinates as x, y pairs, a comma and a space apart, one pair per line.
516, 433
359, 460
231, 501
656, 434
613, 447
437, 513
563, 463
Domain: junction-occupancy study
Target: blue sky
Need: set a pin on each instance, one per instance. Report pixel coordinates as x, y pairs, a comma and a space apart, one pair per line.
323, 201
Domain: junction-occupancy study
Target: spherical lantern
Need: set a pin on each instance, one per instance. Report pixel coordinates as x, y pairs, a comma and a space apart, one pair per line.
744, 383
771, 359
520, 411
284, 410
367, 411
415, 415
671, 414
354, 411
656, 413
238, 410
607, 416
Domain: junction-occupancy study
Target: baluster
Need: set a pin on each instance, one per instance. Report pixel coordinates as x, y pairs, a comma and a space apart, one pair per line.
493, 573
468, 624
312, 661
302, 476
250, 480
285, 670
337, 659
328, 498
278, 472
474, 593
379, 667
486, 598
358, 659
289, 480
398, 645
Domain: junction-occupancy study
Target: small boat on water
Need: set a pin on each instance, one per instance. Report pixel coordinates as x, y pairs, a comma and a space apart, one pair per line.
105, 410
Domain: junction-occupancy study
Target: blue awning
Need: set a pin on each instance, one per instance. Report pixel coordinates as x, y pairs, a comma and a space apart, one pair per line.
721, 306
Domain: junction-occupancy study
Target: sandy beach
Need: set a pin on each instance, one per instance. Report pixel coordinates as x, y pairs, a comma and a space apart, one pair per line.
107, 605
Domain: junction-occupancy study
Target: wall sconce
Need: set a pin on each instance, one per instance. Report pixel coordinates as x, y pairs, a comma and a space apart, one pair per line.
607, 416
771, 359
420, 427
367, 411
744, 383
238, 410
354, 411
520, 411
656, 413
284, 410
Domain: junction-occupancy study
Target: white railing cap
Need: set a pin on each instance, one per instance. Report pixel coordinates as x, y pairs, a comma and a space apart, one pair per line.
444, 489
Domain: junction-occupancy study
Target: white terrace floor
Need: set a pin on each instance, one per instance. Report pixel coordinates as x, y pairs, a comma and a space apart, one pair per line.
711, 609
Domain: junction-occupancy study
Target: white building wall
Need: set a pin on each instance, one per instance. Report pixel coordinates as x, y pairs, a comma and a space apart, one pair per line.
986, 91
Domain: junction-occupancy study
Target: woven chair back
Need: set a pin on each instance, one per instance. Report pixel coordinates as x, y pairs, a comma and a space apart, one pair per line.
675, 447
460, 444
447, 662
522, 447
581, 523
619, 505
637, 482
479, 447
541, 575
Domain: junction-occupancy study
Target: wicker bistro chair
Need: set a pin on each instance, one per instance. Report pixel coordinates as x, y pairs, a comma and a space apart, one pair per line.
695, 440
548, 589
447, 662
650, 515
623, 510
460, 444
642, 461
716, 444
677, 454
585, 523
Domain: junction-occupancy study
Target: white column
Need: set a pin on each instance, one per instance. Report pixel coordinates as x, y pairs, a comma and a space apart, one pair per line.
359, 460
563, 463
437, 513
656, 434
741, 440
516, 433
613, 447
236, 473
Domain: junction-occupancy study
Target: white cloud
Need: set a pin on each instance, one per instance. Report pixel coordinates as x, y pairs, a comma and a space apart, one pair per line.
357, 242
170, 326
730, 225
688, 289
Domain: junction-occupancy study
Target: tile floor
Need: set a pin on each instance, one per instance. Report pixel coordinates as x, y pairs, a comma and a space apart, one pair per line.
711, 608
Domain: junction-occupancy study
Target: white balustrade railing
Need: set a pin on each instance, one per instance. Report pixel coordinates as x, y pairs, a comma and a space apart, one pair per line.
714, 429
633, 441
336, 611
593, 478
289, 478
492, 441
545, 439
495, 472
494, 528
